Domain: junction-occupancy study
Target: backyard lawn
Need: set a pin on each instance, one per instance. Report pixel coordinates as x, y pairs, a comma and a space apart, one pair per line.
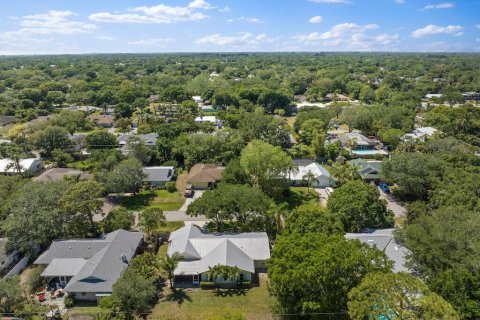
300, 196
167, 201
254, 303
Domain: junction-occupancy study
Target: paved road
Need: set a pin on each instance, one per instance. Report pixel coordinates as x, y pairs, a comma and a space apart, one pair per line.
182, 216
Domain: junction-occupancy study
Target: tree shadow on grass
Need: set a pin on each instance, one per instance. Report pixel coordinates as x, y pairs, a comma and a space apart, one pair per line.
137, 201
297, 198
179, 296
230, 292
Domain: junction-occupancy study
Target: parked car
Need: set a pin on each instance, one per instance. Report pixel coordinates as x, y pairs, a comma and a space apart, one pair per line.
384, 187
189, 191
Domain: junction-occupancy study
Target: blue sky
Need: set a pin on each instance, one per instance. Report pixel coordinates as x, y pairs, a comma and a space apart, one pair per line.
87, 26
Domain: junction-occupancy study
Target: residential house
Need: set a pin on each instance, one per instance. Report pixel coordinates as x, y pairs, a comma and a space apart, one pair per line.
431, 96
7, 120
208, 108
88, 268
106, 121
197, 99
471, 96
154, 98
336, 97
356, 141
149, 139
204, 176
297, 176
422, 133
384, 240
32, 165
200, 251
77, 140
209, 119
56, 174
158, 176
369, 170
88, 109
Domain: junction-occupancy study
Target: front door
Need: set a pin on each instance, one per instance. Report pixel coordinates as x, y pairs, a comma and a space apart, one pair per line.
195, 279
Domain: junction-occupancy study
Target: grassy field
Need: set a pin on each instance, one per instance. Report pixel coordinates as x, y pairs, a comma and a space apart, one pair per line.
254, 303
167, 201
300, 196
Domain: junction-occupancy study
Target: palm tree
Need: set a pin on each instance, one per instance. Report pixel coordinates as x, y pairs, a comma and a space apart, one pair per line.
168, 264
310, 178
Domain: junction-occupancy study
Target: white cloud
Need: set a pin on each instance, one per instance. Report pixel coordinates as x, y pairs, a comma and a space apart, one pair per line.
477, 26
156, 14
243, 39
315, 19
331, 1
350, 36
400, 1
434, 30
443, 5
246, 19
150, 42
441, 46
224, 9
52, 22
199, 4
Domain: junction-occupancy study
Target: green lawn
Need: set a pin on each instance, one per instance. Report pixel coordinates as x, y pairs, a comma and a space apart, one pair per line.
159, 199
254, 303
300, 196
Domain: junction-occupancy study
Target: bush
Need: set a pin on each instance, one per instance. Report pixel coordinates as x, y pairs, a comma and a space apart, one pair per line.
170, 163
68, 301
171, 186
245, 284
207, 285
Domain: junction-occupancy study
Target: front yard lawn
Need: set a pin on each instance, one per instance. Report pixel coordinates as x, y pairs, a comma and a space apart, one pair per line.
301, 195
254, 303
158, 199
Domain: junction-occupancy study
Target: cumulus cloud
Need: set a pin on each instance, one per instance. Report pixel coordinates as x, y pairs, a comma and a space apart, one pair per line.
315, 19
400, 1
156, 14
443, 5
52, 22
432, 29
349, 36
243, 39
150, 42
331, 1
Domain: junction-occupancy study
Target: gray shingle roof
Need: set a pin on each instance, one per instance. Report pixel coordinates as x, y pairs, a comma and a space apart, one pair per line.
158, 173
103, 264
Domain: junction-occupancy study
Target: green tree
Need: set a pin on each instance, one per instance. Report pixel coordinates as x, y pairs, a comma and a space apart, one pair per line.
265, 165
312, 219
168, 264
238, 207
392, 137
396, 296
11, 296
82, 201
310, 178
314, 272
271, 100
151, 220
127, 176
358, 206
52, 138
118, 218
147, 265
133, 294
414, 174
100, 139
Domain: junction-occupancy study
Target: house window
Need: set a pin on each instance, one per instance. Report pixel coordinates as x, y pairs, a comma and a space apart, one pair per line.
242, 277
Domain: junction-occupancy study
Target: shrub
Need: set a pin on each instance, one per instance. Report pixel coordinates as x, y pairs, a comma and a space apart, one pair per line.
68, 302
35, 280
169, 163
207, 285
171, 186
245, 284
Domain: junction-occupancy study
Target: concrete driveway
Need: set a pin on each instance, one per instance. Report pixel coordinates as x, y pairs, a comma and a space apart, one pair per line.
398, 210
322, 195
181, 214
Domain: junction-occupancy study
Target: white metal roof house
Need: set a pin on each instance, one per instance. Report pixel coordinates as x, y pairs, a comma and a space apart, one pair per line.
201, 251
422, 133
7, 166
322, 179
88, 268
383, 239
209, 119
157, 176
